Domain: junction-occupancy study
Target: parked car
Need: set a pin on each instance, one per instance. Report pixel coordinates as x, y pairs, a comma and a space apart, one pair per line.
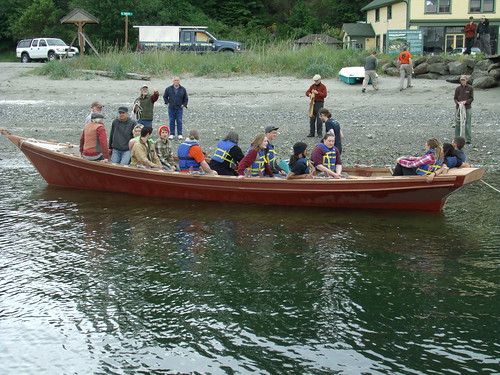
460, 51
43, 49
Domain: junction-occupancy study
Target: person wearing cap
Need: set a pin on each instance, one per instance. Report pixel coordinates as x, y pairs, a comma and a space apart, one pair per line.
326, 157
191, 156
121, 133
144, 106
143, 153
483, 34
93, 141
254, 164
227, 155
317, 92
163, 148
271, 134
405, 68
300, 167
470, 35
95, 107
176, 98
332, 126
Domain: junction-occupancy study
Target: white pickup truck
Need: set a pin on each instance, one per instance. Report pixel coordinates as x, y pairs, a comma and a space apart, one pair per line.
43, 49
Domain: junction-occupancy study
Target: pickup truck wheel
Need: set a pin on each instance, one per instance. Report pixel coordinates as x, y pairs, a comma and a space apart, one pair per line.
25, 58
51, 56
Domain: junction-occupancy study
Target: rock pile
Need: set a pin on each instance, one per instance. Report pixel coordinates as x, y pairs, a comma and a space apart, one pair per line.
484, 73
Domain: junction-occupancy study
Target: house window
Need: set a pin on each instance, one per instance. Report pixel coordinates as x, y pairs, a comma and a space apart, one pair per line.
389, 12
437, 6
481, 6
377, 15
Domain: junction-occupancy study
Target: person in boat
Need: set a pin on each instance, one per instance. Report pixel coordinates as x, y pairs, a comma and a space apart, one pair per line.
458, 143
121, 134
95, 107
271, 134
163, 148
450, 159
93, 141
136, 134
255, 164
426, 165
300, 167
326, 157
332, 126
227, 155
143, 152
191, 156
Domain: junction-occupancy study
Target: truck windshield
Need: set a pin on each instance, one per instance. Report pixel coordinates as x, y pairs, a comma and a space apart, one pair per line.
56, 42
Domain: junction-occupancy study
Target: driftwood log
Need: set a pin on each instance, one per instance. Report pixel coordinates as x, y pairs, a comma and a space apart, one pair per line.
106, 73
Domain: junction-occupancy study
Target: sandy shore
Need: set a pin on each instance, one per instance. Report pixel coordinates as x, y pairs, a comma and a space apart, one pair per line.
378, 127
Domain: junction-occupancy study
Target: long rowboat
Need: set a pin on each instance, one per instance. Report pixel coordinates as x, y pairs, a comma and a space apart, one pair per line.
61, 165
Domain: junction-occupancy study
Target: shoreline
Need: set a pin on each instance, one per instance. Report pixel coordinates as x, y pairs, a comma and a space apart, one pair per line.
378, 126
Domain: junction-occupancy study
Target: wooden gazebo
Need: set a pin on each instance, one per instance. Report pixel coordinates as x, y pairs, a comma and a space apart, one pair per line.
80, 18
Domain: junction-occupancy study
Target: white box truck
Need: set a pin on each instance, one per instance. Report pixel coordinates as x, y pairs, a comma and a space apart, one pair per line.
183, 38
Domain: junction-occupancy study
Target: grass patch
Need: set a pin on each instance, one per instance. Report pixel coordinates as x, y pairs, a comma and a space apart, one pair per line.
9, 57
276, 59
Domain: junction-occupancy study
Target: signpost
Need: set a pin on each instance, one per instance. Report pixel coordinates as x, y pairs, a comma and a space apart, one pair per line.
126, 14
397, 39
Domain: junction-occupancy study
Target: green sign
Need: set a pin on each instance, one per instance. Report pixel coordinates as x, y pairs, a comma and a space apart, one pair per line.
397, 39
127, 14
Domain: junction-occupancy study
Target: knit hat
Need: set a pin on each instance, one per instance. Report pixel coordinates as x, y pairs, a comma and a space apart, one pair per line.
316, 77
96, 115
163, 127
299, 148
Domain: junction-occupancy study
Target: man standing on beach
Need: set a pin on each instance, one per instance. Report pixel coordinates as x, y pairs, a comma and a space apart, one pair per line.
121, 133
370, 71
470, 35
176, 98
95, 107
464, 96
317, 92
405, 68
483, 34
144, 106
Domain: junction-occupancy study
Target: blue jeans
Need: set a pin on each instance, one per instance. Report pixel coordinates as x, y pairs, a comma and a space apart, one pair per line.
120, 157
148, 123
175, 116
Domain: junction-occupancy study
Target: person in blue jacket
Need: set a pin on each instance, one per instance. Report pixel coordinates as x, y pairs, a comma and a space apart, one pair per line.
227, 155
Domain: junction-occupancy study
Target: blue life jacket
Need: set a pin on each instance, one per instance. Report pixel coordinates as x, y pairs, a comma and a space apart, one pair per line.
306, 162
330, 157
222, 153
186, 161
451, 161
257, 168
428, 168
271, 156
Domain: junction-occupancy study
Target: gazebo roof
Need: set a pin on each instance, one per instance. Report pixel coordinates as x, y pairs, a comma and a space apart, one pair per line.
79, 15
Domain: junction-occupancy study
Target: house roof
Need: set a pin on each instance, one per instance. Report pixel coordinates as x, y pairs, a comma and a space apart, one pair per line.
359, 29
380, 3
79, 15
313, 38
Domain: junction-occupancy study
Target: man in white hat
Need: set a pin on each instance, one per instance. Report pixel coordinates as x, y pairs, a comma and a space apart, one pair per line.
317, 92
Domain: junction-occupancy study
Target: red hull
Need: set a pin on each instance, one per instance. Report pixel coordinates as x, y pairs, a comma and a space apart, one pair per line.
402, 193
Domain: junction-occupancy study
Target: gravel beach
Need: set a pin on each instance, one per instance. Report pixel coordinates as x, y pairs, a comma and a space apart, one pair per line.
378, 126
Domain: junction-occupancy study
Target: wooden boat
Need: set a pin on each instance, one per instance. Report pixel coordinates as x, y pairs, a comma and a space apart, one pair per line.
61, 165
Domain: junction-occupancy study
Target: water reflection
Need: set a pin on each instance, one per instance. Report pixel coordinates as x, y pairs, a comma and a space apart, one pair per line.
130, 284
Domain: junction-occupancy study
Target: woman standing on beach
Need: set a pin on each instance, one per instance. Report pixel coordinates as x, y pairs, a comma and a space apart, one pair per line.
255, 162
